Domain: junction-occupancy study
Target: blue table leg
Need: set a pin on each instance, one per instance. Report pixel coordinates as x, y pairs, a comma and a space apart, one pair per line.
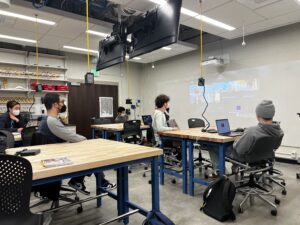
99, 178
118, 136
222, 159
184, 166
120, 191
191, 168
161, 164
125, 199
155, 184
93, 133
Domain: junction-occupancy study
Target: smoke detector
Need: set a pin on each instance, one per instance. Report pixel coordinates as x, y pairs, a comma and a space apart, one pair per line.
4, 4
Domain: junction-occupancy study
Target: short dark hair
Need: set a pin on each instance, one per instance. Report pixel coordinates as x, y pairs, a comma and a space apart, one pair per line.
161, 100
11, 104
50, 99
121, 109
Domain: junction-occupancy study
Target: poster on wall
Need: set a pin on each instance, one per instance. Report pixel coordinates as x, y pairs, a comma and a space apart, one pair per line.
106, 107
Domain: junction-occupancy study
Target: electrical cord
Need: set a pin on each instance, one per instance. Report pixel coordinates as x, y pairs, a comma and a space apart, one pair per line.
208, 124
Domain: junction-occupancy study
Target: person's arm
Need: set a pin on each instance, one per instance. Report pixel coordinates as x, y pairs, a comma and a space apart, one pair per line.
159, 121
59, 130
244, 144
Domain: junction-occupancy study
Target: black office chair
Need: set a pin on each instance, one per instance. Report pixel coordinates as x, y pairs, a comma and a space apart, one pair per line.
7, 140
132, 132
15, 190
203, 163
255, 166
52, 191
27, 134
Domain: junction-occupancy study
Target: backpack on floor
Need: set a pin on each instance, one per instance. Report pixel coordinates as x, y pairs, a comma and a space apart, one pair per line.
157, 218
6, 141
218, 198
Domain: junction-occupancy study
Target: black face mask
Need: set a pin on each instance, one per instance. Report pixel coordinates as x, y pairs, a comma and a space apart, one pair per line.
63, 109
168, 110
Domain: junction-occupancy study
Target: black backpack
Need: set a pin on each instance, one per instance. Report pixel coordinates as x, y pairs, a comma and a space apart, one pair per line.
7, 140
218, 198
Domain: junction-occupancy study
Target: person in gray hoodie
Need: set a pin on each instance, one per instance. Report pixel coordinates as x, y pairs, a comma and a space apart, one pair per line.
265, 112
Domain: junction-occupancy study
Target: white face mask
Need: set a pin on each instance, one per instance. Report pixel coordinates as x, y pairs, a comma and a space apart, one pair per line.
16, 112
123, 114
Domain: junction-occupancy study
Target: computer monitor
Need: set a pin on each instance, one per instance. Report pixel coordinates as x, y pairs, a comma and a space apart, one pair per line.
159, 28
223, 126
147, 119
110, 55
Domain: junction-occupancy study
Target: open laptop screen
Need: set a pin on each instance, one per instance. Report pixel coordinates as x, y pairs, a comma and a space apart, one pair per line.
147, 119
223, 126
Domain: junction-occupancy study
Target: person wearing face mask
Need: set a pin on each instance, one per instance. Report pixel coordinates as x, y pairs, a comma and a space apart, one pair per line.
11, 120
121, 115
52, 127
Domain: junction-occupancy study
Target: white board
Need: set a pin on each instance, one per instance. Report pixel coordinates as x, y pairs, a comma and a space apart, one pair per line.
106, 107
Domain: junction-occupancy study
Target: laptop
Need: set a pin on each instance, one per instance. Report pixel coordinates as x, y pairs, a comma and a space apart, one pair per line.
172, 123
223, 129
147, 119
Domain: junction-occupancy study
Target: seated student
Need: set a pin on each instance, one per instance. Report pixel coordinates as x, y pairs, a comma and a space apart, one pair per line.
11, 120
265, 112
121, 115
53, 128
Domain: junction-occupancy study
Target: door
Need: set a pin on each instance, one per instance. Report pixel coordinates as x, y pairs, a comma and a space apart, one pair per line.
83, 103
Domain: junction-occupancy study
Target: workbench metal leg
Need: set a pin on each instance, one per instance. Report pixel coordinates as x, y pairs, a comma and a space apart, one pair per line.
222, 159
162, 164
184, 166
99, 179
125, 199
155, 184
119, 191
93, 133
191, 168
118, 136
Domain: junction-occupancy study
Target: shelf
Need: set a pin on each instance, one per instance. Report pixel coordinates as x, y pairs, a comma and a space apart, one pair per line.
55, 91
15, 90
32, 78
25, 65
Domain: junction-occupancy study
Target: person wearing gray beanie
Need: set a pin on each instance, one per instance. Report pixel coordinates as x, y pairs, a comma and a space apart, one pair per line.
265, 110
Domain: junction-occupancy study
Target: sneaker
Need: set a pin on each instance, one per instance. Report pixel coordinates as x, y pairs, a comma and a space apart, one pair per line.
79, 187
106, 185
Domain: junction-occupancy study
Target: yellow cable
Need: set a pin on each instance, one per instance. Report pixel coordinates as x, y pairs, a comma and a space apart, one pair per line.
88, 35
201, 42
37, 50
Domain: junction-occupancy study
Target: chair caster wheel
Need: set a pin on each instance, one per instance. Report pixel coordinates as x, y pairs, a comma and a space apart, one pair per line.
298, 175
129, 171
277, 201
274, 212
173, 181
79, 210
283, 183
206, 176
77, 199
145, 168
283, 192
240, 210
144, 175
149, 182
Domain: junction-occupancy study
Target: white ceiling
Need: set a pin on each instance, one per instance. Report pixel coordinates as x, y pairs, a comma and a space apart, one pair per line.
257, 15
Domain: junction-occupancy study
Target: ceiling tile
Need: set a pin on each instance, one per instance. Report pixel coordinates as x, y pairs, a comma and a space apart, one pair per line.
257, 4
206, 5
68, 28
234, 14
53, 42
29, 26
277, 9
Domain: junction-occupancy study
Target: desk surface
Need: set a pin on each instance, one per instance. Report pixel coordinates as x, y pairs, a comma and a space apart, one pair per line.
85, 155
197, 134
115, 127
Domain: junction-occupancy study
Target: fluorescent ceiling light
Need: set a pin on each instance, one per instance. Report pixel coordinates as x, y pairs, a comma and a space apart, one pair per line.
80, 49
137, 58
16, 38
199, 17
28, 18
167, 48
215, 22
100, 34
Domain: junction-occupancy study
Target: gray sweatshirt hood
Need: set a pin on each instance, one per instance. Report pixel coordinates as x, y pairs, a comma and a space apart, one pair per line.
273, 130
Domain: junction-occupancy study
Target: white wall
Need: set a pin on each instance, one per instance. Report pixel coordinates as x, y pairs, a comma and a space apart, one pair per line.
264, 54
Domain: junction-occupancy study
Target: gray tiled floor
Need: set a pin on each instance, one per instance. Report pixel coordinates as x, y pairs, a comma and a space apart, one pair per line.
183, 209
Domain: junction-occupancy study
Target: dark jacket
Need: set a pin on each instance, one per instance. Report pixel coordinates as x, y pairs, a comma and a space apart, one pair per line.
7, 124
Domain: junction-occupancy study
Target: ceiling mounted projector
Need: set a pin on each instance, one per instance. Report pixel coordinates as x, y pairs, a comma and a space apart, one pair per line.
4, 4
